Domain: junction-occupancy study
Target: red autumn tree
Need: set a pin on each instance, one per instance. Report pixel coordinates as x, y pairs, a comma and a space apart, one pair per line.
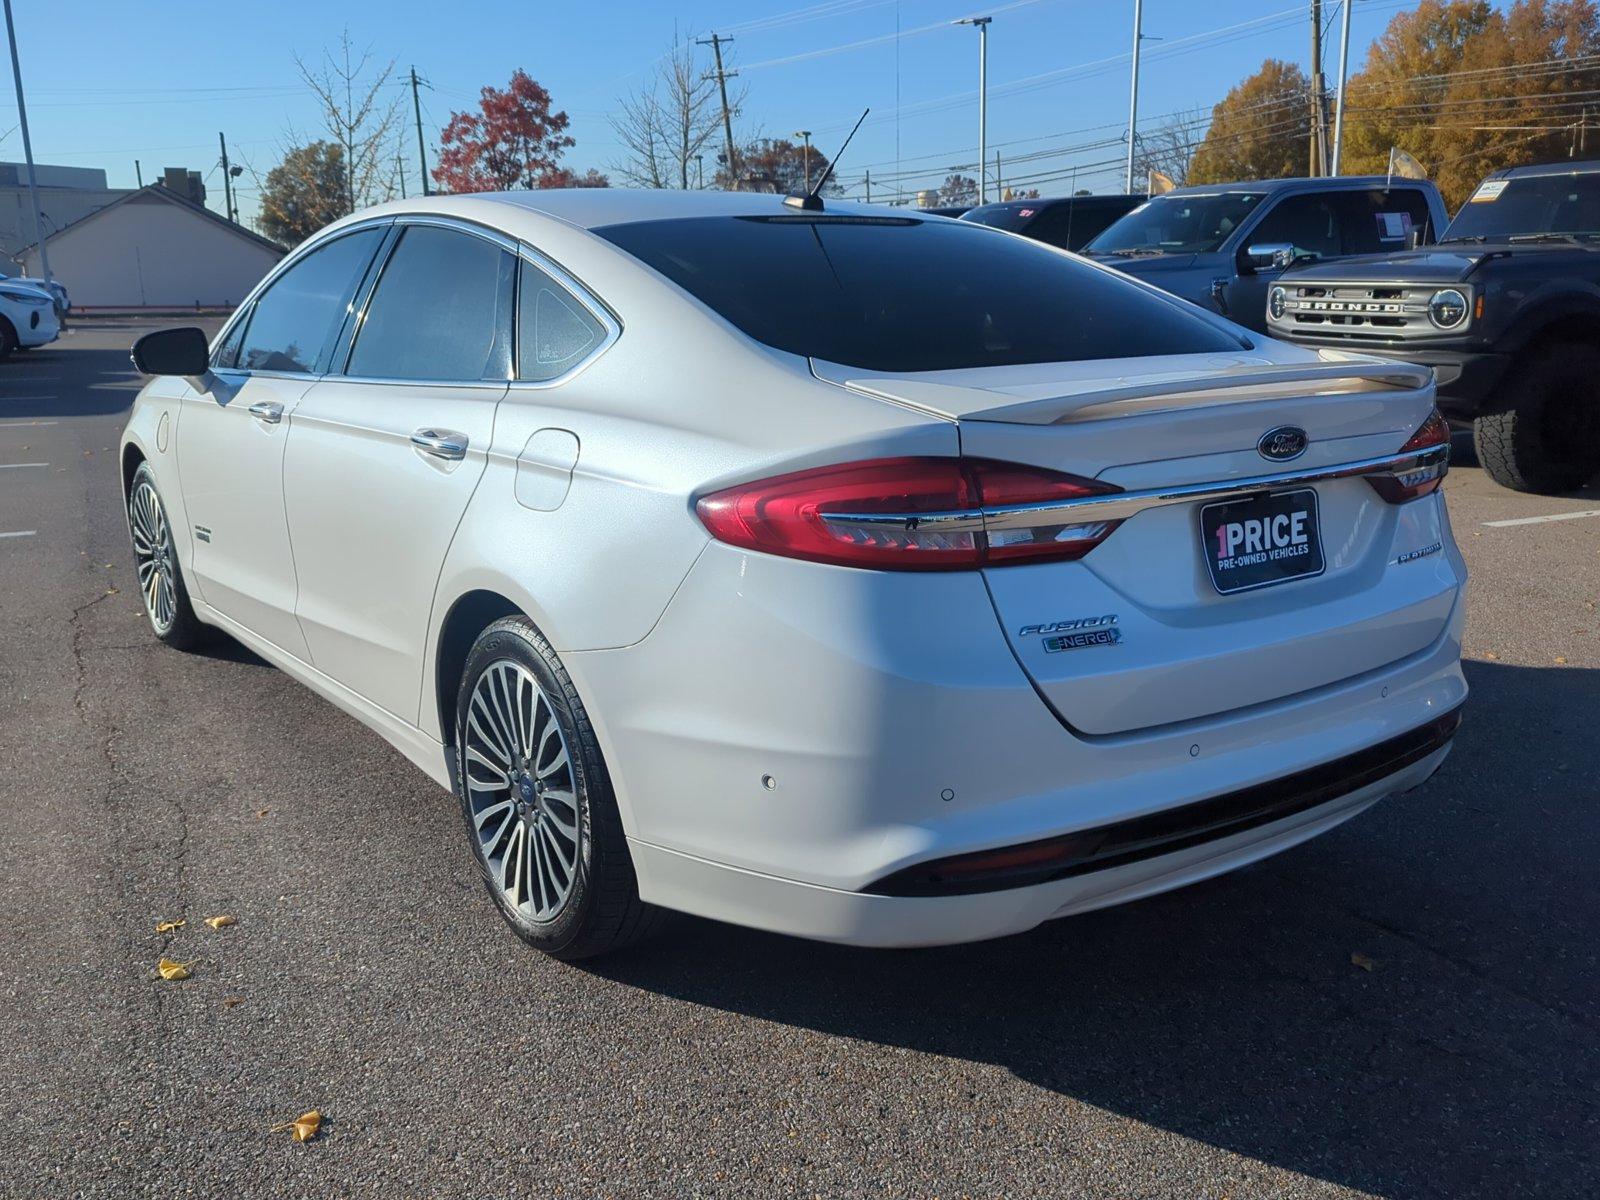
513, 141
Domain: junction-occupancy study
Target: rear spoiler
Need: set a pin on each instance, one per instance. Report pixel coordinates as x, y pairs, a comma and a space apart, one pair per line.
1337, 372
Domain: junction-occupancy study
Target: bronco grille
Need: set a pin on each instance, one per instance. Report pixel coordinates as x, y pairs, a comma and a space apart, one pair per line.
1357, 312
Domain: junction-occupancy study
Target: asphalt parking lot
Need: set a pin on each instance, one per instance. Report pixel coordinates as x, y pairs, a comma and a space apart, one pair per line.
1215, 1042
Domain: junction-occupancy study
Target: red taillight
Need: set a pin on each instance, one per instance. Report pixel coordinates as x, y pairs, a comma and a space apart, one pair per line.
908, 514
1427, 474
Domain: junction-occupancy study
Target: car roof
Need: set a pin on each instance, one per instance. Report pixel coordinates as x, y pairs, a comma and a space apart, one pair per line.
592, 208
1329, 182
1555, 168
1054, 201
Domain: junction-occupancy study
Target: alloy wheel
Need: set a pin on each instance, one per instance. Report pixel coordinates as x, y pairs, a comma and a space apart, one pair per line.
153, 555
521, 791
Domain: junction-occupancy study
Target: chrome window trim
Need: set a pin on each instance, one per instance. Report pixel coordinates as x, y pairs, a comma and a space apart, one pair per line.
1119, 506
591, 303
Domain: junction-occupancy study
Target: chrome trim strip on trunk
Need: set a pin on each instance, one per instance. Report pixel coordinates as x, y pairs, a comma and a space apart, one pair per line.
1118, 506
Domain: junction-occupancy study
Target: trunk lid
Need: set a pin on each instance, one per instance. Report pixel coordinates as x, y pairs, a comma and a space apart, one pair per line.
1182, 650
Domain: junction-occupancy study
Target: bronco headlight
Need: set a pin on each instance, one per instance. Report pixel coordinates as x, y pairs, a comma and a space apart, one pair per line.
1447, 308
1277, 301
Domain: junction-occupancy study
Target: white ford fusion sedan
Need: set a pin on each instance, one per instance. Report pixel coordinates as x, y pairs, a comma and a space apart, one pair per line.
867, 577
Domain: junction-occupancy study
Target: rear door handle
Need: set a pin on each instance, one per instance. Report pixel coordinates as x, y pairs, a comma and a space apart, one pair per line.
441, 443
268, 411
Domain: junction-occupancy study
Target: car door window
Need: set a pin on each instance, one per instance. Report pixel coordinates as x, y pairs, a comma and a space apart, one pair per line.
294, 324
556, 331
1309, 223
1377, 220
227, 352
441, 310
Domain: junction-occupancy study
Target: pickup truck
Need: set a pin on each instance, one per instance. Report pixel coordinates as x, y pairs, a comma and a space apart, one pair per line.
1505, 308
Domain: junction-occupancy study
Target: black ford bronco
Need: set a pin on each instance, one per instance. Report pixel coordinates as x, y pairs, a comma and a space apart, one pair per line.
1505, 308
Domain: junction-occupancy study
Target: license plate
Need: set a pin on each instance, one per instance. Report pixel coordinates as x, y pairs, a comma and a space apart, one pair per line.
1261, 540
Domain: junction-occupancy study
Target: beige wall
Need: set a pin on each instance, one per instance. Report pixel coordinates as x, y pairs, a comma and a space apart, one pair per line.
152, 253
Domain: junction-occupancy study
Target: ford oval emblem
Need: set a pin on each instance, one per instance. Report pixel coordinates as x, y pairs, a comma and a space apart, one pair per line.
1282, 444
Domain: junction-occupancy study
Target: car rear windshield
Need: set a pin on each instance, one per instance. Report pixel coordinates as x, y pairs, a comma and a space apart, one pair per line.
1189, 223
900, 294
1010, 216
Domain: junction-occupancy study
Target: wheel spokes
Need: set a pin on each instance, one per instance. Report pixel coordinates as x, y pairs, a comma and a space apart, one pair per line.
522, 800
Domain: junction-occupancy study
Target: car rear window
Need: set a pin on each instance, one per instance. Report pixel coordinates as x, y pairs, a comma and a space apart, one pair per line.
900, 294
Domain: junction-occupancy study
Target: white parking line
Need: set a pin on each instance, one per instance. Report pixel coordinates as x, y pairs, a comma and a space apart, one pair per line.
25, 424
20, 533
16, 466
1571, 516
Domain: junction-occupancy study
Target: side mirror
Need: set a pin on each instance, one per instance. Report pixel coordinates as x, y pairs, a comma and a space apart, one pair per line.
173, 352
1269, 256
1413, 238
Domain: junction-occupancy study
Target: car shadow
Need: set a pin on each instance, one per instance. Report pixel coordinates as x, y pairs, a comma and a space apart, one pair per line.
74, 381
1407, 1005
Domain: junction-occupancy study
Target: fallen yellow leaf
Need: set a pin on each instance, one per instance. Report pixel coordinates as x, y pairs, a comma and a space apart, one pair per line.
1560, 662
173, 970
169, 926
232, 1001
1359, 959
261, 812
220, 922
304, 1127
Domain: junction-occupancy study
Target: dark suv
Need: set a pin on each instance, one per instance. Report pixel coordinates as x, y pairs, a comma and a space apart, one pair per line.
1506, 309
1069, 222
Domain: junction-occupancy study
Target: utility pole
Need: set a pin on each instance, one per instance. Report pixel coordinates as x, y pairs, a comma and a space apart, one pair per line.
138, 172
869, 186
982, 26
227, 179
999, 191
700, 170
27, 147
1344, 75
400, 172
722, 77
806, 134
1133, 90
1319, 149
422, 146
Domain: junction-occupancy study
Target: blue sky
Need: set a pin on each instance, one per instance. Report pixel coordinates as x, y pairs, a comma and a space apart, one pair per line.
109, 82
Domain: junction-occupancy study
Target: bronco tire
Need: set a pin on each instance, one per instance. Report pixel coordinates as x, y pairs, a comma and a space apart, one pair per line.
1544, 433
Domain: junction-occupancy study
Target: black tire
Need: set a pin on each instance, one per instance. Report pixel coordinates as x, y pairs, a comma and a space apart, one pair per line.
8, 339
602, 911
182, 630
1543, 435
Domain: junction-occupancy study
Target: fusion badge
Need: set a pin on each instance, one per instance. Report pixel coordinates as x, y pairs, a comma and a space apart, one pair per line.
1076, 633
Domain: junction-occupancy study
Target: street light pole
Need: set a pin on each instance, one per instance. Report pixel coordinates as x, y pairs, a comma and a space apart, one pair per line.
1133, 90
806, 134
27, 147
1344, 67
982, 24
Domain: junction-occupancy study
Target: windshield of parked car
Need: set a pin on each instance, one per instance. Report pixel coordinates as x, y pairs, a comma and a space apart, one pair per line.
1532, 208
1192, 223
900, 294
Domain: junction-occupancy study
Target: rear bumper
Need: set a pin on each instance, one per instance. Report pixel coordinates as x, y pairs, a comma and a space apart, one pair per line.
691, 884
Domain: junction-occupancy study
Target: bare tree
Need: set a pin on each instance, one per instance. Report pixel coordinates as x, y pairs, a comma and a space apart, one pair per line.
350, 90
670, 122
1169, 147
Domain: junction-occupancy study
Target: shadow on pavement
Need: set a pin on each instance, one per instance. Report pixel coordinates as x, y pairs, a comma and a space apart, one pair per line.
75, 381
1464, 1063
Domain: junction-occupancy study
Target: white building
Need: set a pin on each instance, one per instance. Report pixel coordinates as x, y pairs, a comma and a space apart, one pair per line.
152, 248
66, 194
